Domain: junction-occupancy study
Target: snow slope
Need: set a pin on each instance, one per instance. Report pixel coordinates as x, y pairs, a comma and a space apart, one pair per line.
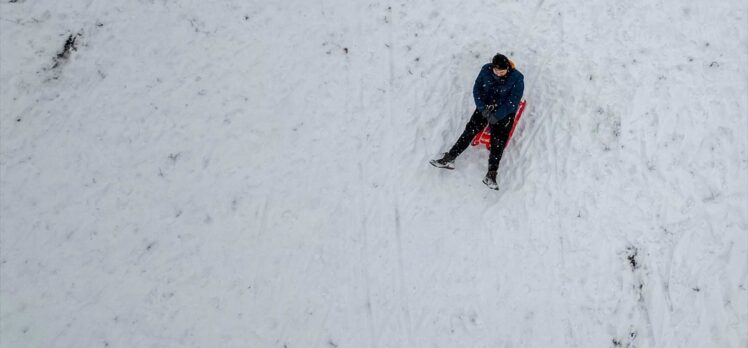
254, 174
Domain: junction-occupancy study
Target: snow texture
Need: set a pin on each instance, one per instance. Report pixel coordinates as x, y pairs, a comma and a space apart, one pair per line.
245, 173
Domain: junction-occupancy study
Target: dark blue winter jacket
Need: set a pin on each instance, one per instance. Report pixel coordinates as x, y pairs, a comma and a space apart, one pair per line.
504, 92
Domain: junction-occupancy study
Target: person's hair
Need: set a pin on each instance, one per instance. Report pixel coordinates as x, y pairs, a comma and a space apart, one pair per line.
501, 62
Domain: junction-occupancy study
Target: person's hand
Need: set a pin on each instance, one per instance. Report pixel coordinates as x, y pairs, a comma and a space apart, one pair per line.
488, 111
493, 119
506, 122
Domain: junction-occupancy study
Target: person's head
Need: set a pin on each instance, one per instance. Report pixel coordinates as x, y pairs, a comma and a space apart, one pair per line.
500, 65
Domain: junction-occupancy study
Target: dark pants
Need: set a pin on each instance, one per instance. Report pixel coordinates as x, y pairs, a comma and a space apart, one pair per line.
499, 135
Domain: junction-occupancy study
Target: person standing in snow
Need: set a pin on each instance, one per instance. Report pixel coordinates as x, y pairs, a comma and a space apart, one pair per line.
497, 93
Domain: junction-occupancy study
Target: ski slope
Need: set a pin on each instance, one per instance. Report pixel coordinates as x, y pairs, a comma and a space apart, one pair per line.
255, 174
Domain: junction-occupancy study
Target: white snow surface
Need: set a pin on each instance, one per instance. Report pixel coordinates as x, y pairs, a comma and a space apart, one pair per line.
244, 173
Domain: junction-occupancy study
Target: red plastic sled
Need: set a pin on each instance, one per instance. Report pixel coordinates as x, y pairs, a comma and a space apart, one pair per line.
484, 137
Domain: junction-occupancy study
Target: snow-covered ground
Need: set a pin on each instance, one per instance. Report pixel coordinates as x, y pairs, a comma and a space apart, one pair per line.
245, 173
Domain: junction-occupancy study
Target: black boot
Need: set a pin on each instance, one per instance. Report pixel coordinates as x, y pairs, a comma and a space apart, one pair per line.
490, 180
446, 162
